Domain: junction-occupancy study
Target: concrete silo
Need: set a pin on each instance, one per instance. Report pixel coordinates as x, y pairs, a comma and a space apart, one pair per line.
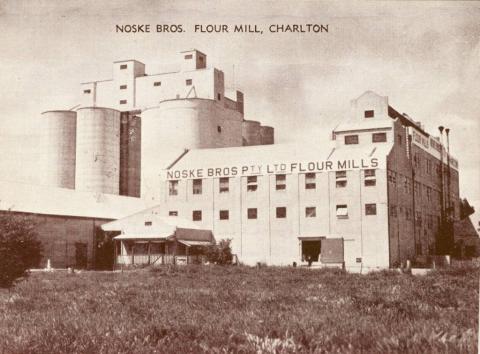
267, 135
176, 125
251, 133
98, 150
58, 148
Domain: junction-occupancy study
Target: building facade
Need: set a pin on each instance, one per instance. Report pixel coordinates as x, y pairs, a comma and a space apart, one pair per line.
375, 196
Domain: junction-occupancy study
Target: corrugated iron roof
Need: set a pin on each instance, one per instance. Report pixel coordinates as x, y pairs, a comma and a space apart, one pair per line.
28, 198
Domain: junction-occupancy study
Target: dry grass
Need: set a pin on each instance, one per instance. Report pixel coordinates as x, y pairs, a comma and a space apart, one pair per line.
239, 309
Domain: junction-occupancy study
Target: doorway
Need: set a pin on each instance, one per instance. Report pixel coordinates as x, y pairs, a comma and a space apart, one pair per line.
311, 250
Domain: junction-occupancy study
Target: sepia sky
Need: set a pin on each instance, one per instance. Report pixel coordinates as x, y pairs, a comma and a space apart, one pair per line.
425, 56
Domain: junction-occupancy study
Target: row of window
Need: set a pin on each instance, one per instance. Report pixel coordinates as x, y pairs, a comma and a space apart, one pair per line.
376, 138
281, 212
280, 182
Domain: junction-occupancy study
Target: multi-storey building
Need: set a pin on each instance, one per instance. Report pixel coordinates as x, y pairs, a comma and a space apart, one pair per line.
375, 196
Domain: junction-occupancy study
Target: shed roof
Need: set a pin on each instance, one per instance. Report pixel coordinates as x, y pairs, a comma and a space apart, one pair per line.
29, 198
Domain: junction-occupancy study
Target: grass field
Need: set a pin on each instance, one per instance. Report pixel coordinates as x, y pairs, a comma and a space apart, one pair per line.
239, 309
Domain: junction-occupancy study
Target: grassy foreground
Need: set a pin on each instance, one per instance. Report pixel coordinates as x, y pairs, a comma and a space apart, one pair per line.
238, 309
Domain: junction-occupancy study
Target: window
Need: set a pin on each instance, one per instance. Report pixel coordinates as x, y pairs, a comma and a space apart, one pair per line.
418, 218
281, 212
219, 129
252, 213
392, 177
197, 215
369, 114
219, 96
310, 212
351, 139
223, 214
200, 59
173, 213
281, 182
197, 186
252, 183
370, 209
123, 66
123, 101
342, 211
188, 56
370, 179
157, 83
310, 181
429, 194
123, 87
188, 82
148, 223
379, 137
87, 91
173, 187
224, 184
341, 179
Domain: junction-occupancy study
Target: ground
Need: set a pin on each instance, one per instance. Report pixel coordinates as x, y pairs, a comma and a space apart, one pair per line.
239, 309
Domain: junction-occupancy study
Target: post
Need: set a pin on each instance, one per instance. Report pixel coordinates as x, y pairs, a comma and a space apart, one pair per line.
133, 253
114, 254
148, 246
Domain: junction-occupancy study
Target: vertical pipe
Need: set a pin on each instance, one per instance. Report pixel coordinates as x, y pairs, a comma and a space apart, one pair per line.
442, 197
447, 131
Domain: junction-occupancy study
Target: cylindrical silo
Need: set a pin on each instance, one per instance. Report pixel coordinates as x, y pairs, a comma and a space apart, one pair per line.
98, 150
58, 148
176, 125
251, 133
267, 135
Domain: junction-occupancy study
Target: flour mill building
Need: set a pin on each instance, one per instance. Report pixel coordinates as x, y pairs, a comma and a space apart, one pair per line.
378, 192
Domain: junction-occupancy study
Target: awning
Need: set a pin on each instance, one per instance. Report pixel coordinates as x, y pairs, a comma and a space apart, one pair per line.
195, 243
158, 237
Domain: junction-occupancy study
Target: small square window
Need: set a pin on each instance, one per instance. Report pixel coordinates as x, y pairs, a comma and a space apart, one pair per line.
280, 182
252, 213
310, 181
188, 82
188, 56
379, 137
197, 215
87, 91
252, 183
281, 212
148, 223
157, 83
310, 212
219, 129
219, 96
173, 213
341, 179
200, 59
370, 182
342, 211
369, 114
223, 214
351, 139
123, 101
123, 87
197, 186
123, 66
224, 184
370, 209
173, 187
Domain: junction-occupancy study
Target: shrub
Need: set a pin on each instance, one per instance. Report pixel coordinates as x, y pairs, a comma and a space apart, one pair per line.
220, 253
19, 248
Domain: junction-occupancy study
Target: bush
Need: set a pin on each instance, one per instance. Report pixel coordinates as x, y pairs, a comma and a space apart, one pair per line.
19, 248
220, 253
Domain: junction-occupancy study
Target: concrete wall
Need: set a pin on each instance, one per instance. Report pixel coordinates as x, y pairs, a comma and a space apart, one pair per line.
276, 240
176, 125
98, 150
251, 133
58, 139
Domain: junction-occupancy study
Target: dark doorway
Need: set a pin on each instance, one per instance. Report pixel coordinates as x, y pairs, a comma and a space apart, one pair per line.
311, 250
